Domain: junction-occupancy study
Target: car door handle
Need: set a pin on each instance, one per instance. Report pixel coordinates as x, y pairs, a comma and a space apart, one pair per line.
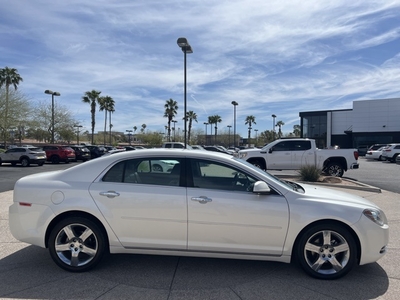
110, 194
202, 199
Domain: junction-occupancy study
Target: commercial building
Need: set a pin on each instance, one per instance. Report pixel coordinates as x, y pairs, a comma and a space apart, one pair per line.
368, 122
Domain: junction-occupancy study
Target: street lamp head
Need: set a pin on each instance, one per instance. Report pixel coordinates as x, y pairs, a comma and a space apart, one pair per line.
184, 44
229, 126
274, 116
50, 92
234, 103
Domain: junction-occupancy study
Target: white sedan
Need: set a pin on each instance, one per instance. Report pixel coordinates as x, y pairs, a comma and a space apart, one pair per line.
208, 205
375, 154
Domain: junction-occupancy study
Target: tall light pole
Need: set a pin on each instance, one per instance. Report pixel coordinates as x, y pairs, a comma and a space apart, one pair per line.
234, 103
205, 137
186, 48
129, 135
52, 111
229, 135
77, 133
256, 130
273, 128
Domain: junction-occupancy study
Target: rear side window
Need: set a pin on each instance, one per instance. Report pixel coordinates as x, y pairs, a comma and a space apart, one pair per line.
152, 171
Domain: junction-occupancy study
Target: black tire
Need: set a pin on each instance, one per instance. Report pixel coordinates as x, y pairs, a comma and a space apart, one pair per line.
258, 163
335, 169
327, 251
393, 159
25, 162
157, 168
55, 159
89, 251
41, 164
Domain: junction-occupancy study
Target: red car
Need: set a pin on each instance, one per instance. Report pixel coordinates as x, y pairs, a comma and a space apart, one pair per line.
59, 153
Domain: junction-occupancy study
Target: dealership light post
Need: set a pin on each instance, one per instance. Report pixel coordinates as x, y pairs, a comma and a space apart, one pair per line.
229, 135
273, 126
205, 137
52, 111
129, 135
256, 130
234, 103
77, 132
186, 48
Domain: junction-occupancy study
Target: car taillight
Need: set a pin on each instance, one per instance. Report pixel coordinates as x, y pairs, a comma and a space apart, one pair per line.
356, 155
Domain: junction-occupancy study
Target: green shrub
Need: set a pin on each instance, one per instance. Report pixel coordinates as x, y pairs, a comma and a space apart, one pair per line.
309, 173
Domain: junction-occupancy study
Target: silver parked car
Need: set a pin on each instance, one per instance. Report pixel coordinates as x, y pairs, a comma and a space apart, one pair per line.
208, 204
25, 156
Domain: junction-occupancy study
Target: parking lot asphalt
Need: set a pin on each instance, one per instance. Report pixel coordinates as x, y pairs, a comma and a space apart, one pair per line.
27, 272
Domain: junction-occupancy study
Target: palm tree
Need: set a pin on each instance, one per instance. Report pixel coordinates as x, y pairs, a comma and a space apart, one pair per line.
111, 109
191, 116
296, 130
92, 97
279, 124
143, 128
215, 120
134, 129
171, 108
249, 121
105, 103
8, 76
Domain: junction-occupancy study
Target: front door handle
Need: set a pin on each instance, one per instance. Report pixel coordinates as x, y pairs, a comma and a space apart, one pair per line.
202, 199
110, 194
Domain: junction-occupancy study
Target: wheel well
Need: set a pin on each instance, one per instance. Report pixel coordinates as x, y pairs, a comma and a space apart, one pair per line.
261, 160
339, 160
351, 231
24, 156
74, 214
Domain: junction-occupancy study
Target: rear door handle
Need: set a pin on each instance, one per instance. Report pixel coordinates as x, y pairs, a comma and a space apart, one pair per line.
110, 194
202, 199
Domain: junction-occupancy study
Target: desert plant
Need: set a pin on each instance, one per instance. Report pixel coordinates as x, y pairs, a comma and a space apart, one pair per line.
309, 173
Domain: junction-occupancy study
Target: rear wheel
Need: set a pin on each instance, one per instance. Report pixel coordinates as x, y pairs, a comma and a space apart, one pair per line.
25, 162
327, 251
335, 169
77, 244
393, 160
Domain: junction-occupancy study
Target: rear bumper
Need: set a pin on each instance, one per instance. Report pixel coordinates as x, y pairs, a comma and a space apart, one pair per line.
354, 166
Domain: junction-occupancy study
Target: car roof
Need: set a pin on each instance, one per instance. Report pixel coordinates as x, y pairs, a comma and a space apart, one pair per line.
96, 166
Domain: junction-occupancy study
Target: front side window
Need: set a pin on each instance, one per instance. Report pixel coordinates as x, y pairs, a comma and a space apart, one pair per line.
153, 171
214, 175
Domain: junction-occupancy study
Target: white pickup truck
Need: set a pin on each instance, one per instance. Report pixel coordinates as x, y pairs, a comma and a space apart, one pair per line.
292, 154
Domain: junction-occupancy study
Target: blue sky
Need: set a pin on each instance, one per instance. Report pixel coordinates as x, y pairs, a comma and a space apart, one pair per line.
272, 57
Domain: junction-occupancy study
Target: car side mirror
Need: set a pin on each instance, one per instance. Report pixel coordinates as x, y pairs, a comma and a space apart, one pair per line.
261, 187
270, 150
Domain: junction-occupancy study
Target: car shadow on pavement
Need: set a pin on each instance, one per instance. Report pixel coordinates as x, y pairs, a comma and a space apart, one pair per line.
30, 273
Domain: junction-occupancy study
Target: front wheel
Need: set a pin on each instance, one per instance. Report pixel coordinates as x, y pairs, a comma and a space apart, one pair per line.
335, 169
77, 244
327, 251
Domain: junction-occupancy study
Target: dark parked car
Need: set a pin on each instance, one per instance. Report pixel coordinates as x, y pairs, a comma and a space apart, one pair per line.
59, 153
81, 152
95, 151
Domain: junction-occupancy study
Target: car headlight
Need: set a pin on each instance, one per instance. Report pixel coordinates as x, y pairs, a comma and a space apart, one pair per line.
242, 155
375, 216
